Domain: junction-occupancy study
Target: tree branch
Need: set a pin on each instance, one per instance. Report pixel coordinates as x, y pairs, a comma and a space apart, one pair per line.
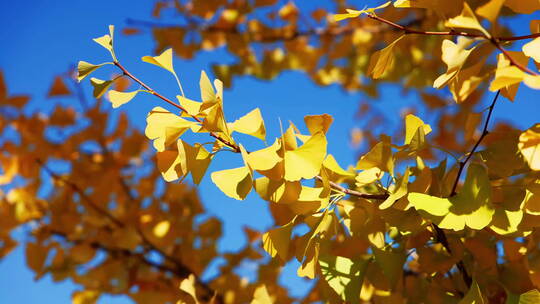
494, 40
470, 154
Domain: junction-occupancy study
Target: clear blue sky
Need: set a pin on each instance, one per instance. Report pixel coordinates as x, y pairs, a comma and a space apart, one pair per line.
43, 38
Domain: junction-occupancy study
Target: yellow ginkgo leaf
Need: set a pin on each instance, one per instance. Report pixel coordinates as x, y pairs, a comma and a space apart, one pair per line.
467, 20
207, 90
471, 207
107, 41
100, 86
382, 60
391, 262
318, 123
192, 107
276, 241
344, 275
412, 124
251, 124
505, 221
490, 10
188, 286
331, 164
523, 6
399, 192
354, 13
164, 60
85, 297
161, 228
505, 77
215, 121
119, 98
454, 55
85, 68
532, 49
261, 296
196, 159
380, 156
529, 146
164, 127
264, 159
306, 161
235, 183
473, 296
368, 176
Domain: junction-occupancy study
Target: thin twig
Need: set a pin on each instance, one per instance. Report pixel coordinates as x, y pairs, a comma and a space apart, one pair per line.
167, 100
470, 154
494, 40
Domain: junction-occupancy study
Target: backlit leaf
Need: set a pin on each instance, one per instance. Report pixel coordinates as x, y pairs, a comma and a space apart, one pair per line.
382, 61
119, 98
276, 241
306, 161
344, 275
532, 49
251, 124
529, 146
235, 183
164, 60
164, 127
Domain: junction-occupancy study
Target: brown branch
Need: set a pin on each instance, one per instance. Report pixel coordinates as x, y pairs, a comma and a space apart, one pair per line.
470, 154
180, 269
235, 147
494, 40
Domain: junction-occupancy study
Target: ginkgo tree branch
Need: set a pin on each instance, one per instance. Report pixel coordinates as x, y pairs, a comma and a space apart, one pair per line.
493, 40
167, 100
179, 269
234, 146
485, 132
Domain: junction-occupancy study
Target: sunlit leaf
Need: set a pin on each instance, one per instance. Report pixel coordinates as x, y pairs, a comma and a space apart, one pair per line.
251, 124
276, 241
382, 61
529, 146
235, 183
119, 98
344, 275
306, 161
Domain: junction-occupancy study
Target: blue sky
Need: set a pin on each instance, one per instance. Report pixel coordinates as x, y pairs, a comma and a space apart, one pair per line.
43, 38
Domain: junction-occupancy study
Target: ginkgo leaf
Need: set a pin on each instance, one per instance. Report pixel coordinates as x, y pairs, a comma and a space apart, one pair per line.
100, 86
170, 166
523, 6
264, 159
164, 127
85, 68
399, 192
107, 41
391, 262
85, 297
188, 286
277, 241
344, 275
412, 124
208, 94
529, 146
58, 88
332, 165
318, 123
235, 183
251, 124
529, 297
368, 176
192, 107
532, 49
454, 55
467, 20
505, 221
506, 76
473, 296
354, 13
490, 10
382, 60
471, 207
164, 60
197, 159
119, 98
261, 296
306, 161
380, 156
215, 121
